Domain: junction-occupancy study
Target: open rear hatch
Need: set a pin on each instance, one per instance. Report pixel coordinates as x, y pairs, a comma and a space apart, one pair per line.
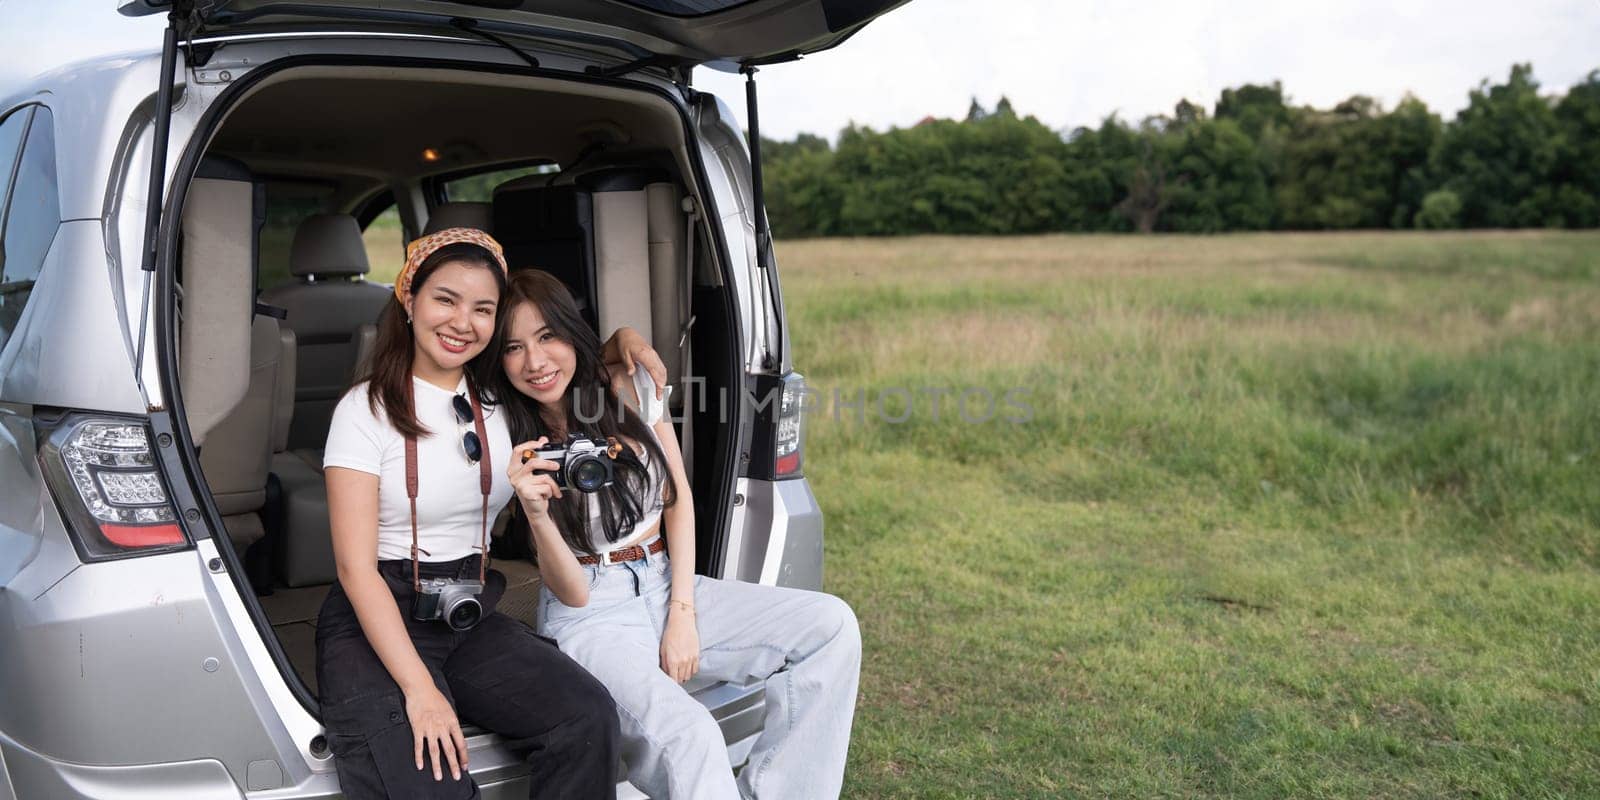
675, 35
684, 32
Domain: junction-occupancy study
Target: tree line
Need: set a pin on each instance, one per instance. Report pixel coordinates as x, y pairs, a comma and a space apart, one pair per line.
1512, 158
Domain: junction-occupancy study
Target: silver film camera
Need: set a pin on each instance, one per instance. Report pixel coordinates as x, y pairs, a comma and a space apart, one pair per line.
452, 600
585, 464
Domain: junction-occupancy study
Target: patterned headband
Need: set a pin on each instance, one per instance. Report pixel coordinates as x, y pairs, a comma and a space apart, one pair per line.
422, 247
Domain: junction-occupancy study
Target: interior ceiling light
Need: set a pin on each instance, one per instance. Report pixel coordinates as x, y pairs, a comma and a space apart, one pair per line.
430, 155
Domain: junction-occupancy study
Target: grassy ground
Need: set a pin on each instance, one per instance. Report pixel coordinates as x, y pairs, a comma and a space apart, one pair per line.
1309, 516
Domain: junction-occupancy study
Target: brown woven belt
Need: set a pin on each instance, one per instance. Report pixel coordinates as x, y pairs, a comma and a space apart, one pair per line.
624, 555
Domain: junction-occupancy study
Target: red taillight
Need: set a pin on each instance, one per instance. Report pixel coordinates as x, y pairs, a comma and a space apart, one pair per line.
105, 479
788, 445
142, 536
777, 448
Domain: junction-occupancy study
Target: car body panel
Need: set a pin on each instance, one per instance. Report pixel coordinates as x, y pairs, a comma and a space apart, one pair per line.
751, 31
36, 775
103, 112
126, 648
22, 515
794, 549
71, 312
84, 99
782, 543
51, 559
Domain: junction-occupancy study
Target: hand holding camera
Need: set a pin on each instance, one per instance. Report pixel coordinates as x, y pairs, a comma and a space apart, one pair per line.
531, 478
540, 471
583, 463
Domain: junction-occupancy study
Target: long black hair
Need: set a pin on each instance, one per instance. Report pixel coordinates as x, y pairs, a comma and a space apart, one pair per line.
591, 409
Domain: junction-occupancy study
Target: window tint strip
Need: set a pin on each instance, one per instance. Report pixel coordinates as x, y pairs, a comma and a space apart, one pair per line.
12, 129
31, 220
686, 8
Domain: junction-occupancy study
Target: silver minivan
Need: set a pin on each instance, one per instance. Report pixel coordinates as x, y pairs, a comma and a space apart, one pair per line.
171, 348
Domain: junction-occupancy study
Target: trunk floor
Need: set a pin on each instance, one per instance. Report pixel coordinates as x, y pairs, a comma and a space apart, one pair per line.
293, 613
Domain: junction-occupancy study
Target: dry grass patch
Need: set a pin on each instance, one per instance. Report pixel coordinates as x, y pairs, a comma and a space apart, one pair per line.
1300, 515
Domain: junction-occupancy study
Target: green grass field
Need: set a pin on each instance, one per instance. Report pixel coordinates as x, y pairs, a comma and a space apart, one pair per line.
1295, 515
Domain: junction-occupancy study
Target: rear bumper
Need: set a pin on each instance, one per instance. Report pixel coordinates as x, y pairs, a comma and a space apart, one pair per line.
34, 775
777, 535
26, 774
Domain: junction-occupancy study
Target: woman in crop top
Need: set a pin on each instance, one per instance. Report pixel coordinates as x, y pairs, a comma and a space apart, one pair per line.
644, 623
410, 497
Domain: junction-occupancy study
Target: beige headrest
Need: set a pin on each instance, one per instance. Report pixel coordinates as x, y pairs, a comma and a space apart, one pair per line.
328, 246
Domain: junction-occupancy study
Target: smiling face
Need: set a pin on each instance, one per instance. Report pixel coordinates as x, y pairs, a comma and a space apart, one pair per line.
537, 362
452, 317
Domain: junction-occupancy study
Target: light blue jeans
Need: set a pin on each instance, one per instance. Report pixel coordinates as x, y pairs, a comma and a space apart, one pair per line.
805, 645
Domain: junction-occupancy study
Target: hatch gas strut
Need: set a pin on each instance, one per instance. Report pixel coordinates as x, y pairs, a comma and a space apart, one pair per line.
758, 196
158, 170
158, 149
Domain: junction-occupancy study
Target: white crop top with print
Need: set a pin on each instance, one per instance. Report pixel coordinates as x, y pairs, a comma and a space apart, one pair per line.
651, 411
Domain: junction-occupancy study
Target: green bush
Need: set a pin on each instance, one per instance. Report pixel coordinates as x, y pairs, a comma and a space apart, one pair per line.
1513, 158
1441, 210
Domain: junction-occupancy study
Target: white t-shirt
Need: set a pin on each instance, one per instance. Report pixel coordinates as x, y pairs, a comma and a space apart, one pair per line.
449, 500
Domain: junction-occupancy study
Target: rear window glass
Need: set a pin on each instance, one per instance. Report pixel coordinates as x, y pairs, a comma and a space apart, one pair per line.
686, 8
479, 188
385, 239
288, 204
30, 223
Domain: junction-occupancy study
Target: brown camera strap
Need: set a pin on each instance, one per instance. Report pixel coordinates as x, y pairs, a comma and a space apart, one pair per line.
485, 484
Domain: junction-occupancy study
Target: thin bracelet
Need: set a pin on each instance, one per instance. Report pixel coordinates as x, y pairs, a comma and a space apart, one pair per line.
683, 604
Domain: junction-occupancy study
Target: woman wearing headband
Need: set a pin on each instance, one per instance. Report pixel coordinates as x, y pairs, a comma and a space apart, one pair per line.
645, 623
408, 644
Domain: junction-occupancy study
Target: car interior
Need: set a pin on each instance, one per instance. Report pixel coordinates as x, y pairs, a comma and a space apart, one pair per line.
590, 182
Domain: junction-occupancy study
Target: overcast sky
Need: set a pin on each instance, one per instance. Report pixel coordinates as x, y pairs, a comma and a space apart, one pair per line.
1067, 63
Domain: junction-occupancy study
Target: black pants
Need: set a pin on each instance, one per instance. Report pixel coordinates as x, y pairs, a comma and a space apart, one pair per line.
498, 676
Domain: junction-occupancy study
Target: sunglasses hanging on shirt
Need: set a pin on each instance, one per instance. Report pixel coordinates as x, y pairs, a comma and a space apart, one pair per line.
471, 446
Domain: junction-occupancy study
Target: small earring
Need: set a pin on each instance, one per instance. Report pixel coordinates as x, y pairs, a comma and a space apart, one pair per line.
408, 320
